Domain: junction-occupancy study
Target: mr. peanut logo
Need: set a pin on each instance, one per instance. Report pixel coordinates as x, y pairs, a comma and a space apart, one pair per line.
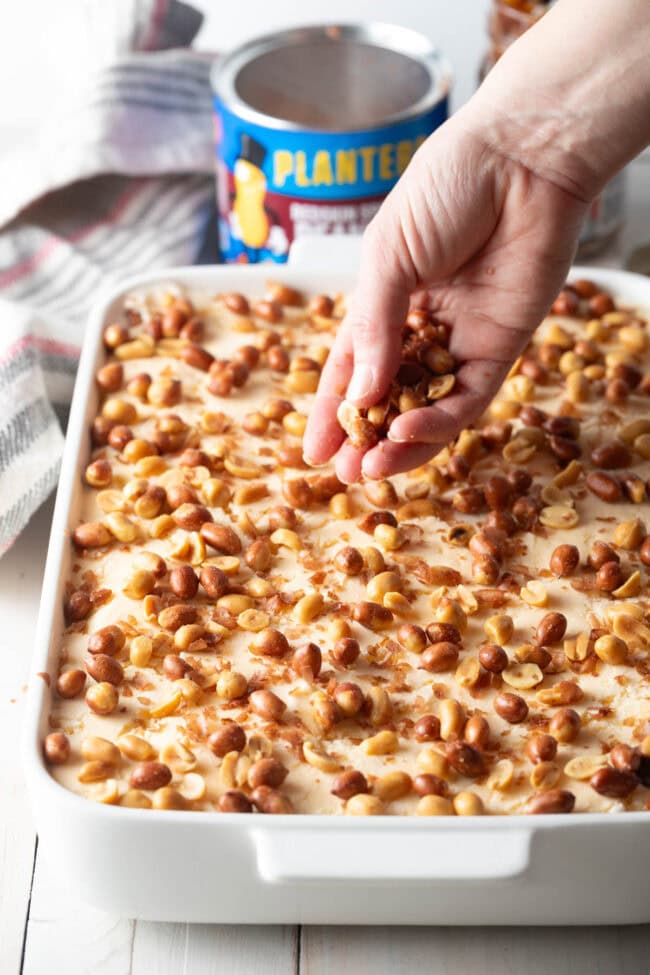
252, 223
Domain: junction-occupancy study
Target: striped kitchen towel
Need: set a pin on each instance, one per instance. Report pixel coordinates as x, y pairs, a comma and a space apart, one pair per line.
119, 180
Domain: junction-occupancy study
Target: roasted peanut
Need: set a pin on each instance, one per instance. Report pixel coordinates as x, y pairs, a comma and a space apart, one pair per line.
267, 771
468, 804
230, 737
104, 668
550, 629
604, 486
214, 581
258, 555
102, 698
267, 705
381, 494
383, 743
174, 617
309, 607
349, 697
440, 657
629, 534
600, 554
427, 728
345, 651
183, 582
372, 615
541, 748
493, 658
564, 560
195, 517
270, 643
56, 747
221, 537
465, 759
452, 719
412, 637
136, 748
150, 775
564, 726
92, 534
613, 783
552, 801
610, 576
362, 804
427, 784
433, 805
625, 758
71, 683
349, 783
611, 649
231, 685
306, 661
234, 801
499, 628
511, 707
349, 561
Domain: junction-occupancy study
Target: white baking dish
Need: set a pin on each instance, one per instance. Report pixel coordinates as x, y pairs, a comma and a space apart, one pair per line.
183, 866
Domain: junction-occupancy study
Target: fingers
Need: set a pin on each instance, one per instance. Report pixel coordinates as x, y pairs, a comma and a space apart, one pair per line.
348, 463
476, 385
369, 339
382, 461
323, 435
393, 458
377, 310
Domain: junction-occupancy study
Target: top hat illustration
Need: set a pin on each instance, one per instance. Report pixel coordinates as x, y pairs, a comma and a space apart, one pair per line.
252, 151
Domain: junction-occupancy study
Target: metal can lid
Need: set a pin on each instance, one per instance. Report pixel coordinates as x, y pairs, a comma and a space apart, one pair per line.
333, 78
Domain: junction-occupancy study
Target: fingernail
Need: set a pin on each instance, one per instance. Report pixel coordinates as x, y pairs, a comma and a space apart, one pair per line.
372, 477
362, 382
313, 463
395, 439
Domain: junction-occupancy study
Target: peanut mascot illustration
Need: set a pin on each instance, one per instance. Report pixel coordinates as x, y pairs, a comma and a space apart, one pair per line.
252, 225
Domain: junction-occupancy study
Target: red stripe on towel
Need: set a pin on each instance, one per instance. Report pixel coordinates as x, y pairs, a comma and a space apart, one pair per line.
50, 346
19, 271
150, 42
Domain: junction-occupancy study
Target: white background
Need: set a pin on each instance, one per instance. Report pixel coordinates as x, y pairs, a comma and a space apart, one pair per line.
457, 27
46, 45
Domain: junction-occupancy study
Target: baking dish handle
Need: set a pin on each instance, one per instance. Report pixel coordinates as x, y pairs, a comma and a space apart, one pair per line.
321, 252
383, 855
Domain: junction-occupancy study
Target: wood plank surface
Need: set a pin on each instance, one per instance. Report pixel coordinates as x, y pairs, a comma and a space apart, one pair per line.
475, 951
235, 949
68, 938
21, 572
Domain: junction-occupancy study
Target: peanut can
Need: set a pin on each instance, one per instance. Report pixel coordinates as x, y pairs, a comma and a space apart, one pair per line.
314, 126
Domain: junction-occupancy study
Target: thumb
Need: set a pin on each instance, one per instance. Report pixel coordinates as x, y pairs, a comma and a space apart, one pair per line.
377, 310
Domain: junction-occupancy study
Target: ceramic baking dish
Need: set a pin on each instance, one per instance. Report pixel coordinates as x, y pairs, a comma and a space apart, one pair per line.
215, 867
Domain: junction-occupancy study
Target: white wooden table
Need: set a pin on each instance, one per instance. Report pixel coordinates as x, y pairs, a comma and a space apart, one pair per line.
42, 933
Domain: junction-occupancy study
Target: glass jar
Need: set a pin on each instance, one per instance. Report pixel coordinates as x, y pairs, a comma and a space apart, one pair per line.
507, 20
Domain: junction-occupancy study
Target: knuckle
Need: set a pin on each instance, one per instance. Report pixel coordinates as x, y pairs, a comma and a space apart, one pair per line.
364, 329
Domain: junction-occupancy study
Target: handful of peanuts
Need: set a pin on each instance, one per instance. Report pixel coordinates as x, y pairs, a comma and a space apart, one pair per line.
425, 374
245, 635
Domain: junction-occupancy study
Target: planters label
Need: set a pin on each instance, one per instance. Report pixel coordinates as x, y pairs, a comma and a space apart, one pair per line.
275, 184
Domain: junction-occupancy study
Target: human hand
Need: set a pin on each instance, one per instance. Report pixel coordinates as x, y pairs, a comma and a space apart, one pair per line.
483, 243
482, 227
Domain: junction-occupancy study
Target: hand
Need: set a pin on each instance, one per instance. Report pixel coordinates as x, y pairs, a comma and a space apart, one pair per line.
483, 242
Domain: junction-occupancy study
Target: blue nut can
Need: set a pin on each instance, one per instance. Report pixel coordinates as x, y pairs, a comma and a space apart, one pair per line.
314, 126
